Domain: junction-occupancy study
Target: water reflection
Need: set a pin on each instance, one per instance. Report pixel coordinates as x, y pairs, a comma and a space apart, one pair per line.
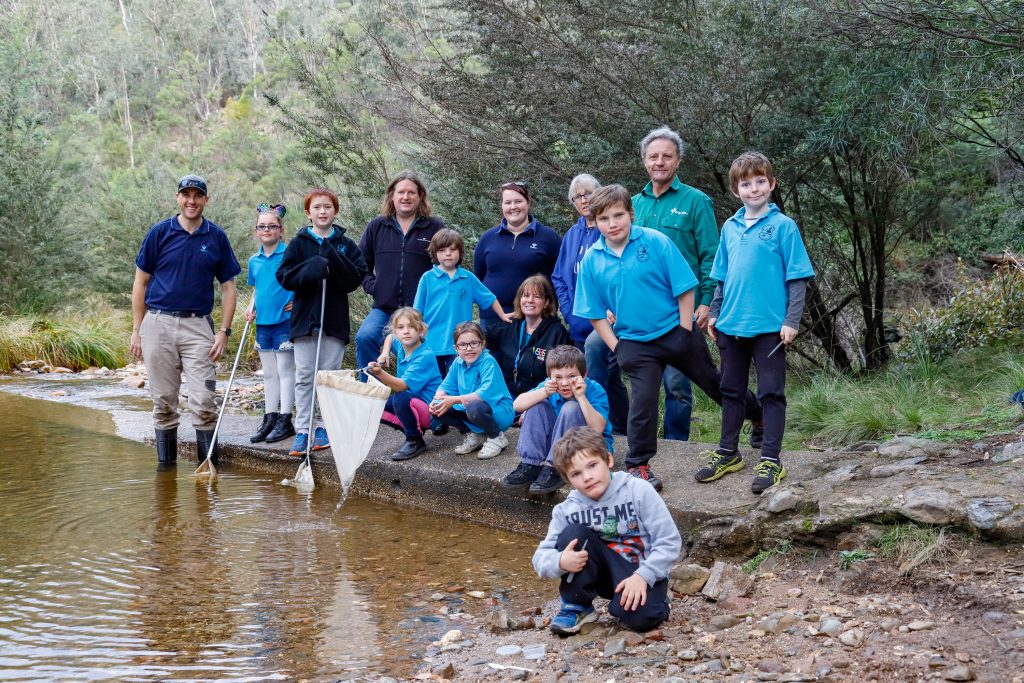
110, 570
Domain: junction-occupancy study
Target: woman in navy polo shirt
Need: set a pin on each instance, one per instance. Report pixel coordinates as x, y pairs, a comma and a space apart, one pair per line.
518, 247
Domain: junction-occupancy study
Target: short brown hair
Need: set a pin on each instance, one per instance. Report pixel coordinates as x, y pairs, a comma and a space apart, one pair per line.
542, 285
748, 165
608, 196
444, 238
387, 205
578, 441
566, 356
320, 192
414, 316
463, 328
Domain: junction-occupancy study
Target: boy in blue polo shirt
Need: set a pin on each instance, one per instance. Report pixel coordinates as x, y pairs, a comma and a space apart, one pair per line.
446, 294
565, 400
640, 276
762, 270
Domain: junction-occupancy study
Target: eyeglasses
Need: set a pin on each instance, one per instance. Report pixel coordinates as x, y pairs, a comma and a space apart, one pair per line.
582, 195
466, 346
267, 228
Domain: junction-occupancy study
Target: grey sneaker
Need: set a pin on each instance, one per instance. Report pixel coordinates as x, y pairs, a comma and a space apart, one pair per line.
492, 447
472, 442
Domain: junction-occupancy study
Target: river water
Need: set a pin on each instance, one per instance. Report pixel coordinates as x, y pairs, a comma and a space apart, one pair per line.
110, 570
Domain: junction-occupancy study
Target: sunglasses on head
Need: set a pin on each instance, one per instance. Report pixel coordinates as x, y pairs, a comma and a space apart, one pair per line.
279, 209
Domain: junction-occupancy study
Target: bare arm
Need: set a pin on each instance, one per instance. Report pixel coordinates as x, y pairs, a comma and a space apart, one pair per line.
138, 310
605, 332
228, 301
686, 310
529, 399
396, 384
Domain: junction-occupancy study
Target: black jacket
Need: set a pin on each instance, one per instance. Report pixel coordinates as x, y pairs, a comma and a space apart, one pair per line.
530, 370
304, 265
396, 262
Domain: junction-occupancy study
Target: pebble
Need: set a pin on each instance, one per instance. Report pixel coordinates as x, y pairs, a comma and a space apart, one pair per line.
918, 625
723, 621
614, 646
672, 670
794, 593
994, 616
852, 638
771, 666
479, 595
959, 673
687, 655
830, 627
435, 596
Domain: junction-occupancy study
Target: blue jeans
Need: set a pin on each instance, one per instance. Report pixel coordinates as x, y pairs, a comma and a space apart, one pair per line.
603, 368
370, 338
478, 414
678, 404
542, 429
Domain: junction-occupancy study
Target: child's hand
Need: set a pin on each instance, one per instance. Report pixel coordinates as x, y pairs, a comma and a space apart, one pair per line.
550, 387
711, 329
383, 360
442, 404
634, 592
507, 318
610, 317
250, 315
573, 561
288, 307
373, 367
788, 334
579, 387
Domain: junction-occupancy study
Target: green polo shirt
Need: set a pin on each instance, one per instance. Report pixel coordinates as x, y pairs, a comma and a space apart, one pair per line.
687, 217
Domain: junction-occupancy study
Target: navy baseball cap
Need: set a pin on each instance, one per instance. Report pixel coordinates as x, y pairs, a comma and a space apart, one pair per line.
192, 180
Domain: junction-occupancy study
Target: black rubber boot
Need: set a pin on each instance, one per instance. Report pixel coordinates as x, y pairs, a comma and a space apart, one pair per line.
203, 440
269, 420
167, 447
282, 428
410, 449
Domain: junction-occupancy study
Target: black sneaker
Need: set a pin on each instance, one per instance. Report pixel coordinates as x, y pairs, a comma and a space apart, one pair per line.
768, 473
718, 465
410, 449
267, 426
644, 472
757, 434
522, 476
549, 481
283, 428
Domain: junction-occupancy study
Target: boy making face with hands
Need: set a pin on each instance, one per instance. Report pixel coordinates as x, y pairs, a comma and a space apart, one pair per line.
565, 400
612, 537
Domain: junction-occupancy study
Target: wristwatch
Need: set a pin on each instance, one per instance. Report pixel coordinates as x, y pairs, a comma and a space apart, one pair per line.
226, 331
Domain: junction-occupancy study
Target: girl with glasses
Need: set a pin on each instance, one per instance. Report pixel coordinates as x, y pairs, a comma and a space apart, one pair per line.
272, 312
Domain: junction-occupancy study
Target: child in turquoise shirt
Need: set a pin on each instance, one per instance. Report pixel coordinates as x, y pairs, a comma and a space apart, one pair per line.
473, 397
761, 268
446, 294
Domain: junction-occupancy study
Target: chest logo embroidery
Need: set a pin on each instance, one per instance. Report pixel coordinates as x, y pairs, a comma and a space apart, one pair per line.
642, 254
678, 212
767, 232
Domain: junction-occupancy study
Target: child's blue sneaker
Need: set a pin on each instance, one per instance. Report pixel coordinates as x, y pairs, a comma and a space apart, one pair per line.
299, 447
571, 618
320, 440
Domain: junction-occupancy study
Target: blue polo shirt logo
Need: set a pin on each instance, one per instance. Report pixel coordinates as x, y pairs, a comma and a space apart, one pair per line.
767, 232
641, 253
341, 249
202, 248
462, 294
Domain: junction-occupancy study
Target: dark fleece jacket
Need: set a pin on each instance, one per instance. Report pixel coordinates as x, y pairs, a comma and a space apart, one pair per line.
531, 369
304, 266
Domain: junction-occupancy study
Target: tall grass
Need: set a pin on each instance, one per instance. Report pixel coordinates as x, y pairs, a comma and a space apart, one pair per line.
94, 337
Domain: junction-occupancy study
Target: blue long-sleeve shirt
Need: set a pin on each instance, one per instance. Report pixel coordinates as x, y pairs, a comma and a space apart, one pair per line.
574, 247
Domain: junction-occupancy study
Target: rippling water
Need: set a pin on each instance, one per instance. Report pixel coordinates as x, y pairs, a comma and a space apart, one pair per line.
110, 570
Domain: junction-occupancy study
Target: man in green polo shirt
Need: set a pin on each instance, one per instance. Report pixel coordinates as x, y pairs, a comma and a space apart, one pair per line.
687, 217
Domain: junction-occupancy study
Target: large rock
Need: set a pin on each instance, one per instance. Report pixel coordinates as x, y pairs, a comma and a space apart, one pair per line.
983, 513
933, 505
727, 581
688, 579
909, 446
1010, 451
906, 465
782, 500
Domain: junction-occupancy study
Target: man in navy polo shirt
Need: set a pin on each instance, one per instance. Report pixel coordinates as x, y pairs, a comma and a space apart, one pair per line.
172, 329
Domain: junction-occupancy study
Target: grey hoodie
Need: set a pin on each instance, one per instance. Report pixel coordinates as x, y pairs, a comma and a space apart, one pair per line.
632, 519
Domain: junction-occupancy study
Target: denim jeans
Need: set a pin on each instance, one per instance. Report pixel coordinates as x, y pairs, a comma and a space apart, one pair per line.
542, 429
370, 338
678, 404
603, 368
477, 413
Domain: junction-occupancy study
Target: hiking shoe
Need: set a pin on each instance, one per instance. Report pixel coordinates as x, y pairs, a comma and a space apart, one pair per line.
768, 473
283, 428
522, 476
493, 446
570, 618
549, 481
756, 434
718, 465
320, 440
644, 472
267, 426
472, 442
299, 447
410, 449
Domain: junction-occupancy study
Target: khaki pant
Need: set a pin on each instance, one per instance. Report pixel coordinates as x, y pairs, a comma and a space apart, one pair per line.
171, 346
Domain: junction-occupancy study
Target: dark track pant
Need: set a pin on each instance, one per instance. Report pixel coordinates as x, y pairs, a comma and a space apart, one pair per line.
737, 353
604, 570
477, 413
645, 363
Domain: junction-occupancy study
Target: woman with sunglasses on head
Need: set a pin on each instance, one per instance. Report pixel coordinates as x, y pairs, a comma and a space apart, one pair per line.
272, 313
518, 247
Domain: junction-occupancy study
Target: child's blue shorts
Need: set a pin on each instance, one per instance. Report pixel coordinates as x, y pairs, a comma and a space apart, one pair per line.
274, 337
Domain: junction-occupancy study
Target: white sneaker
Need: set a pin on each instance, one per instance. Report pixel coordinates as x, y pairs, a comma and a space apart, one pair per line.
472, 442
493, 447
